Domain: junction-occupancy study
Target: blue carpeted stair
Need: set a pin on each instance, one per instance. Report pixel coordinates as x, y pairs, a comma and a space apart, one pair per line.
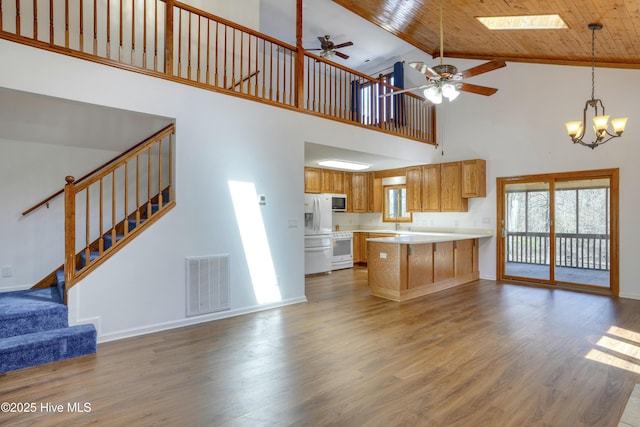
34, 329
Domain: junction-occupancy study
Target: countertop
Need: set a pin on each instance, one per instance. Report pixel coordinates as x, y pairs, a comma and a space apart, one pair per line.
415, 237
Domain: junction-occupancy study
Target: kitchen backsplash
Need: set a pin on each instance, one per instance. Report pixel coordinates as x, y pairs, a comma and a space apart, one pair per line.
427, 221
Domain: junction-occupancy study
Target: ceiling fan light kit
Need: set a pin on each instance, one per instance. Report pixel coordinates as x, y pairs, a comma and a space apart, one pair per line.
577, 129
445, 81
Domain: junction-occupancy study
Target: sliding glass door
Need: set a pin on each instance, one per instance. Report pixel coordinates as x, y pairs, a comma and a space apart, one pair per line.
526, 230
560, 229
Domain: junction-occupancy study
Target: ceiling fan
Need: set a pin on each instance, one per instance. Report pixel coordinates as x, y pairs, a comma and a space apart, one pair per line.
329, 48
445, 80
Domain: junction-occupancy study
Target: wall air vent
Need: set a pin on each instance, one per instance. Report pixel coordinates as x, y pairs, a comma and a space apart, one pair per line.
208, 282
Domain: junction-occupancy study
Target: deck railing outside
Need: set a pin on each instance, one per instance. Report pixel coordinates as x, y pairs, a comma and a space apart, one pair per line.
590, 251
170, 39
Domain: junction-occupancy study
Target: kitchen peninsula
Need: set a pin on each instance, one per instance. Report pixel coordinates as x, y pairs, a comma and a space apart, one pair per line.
411, 265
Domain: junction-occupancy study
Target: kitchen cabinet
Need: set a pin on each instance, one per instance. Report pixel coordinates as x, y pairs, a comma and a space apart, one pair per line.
431, 188
312, 180
408, 267
360, 192
474, 178
451, 188
359, 247
347, 190
332, 181
414, 189
376, 195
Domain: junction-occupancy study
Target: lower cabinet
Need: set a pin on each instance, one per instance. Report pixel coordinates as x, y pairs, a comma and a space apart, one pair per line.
403, 271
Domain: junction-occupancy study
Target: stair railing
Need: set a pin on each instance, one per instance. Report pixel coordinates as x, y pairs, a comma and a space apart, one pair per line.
172, 40
105, 210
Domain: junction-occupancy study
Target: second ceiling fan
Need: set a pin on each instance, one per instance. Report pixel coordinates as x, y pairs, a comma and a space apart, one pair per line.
445, 80
328, 48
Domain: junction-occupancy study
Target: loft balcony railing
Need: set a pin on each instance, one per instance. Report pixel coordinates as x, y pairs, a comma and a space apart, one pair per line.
588, 251
172, 40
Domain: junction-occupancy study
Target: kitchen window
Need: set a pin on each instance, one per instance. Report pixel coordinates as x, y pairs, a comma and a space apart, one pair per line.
395, 204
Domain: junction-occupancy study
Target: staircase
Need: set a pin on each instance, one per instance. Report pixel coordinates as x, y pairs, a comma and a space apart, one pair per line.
34, 330
34, 326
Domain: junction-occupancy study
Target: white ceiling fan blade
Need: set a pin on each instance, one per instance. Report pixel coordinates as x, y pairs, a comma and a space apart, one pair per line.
396, 92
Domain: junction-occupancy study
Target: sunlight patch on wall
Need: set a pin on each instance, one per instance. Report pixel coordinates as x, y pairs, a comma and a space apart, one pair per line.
255, 241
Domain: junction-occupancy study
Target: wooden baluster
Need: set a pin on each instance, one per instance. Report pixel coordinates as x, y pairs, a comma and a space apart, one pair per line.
120, 33
159, 175
51, 25
256, 86
149, 180
100, 213
277, 71
292, 78
299, 68
189, 45
155, 36
270, 70
242, 61
208, 77
18, 17
224, 61
133, 32
108, 29
168, 37
35, 19
264, 67
87, 231
95, 27
144, 34
179, 42
216, 83
81, 26
380, 103
233, 59
249, 44
126, 225
324, 89
69, 234
171, 196
199, 43
1, 15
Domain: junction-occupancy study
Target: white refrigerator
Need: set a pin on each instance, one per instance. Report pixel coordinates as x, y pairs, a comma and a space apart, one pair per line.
317, 233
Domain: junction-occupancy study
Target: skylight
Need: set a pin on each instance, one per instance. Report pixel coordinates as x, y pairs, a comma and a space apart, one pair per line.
523, 22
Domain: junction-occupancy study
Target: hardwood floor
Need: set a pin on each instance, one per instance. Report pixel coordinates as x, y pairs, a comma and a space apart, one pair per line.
483, 354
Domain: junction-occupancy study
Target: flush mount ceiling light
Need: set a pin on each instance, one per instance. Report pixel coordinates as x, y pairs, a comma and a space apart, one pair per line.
523, 22
576, 129
341, 164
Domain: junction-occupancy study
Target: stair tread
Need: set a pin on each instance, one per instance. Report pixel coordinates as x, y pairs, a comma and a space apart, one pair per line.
39, 348
25, 339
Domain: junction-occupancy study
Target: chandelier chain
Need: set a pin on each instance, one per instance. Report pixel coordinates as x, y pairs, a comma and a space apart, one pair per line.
593, 63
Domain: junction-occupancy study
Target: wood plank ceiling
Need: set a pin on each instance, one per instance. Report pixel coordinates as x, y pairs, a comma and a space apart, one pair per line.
417, 22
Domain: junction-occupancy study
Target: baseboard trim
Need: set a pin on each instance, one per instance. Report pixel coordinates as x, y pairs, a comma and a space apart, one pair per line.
128, 333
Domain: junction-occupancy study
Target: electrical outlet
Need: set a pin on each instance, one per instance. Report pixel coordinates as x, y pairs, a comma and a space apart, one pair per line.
383, 255
7, 271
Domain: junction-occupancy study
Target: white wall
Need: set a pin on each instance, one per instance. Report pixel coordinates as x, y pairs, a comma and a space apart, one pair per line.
33, 246
218, 139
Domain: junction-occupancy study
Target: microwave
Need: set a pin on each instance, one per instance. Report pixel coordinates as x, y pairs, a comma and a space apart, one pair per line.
339, 202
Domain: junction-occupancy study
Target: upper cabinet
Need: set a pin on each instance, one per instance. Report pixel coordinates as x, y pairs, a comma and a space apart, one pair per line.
474, 178
332, 181
312, 180
360, 192
451, 188
431, 188
440, 187
414, 189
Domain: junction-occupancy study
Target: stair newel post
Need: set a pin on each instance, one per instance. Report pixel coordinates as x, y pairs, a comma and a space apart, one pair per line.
69, 233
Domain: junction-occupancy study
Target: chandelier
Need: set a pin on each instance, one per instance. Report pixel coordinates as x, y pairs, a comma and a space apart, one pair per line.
576, 129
